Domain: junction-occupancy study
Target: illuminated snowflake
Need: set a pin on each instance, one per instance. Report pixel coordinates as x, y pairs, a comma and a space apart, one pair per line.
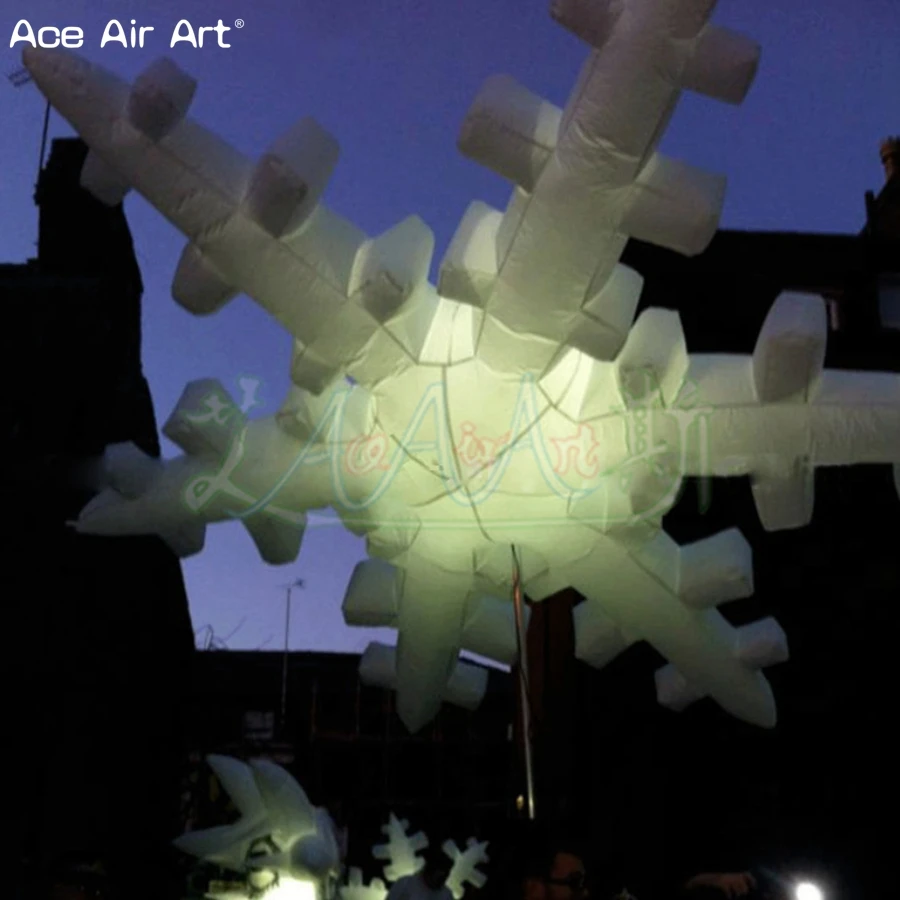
401, 852
514, 403
465, 863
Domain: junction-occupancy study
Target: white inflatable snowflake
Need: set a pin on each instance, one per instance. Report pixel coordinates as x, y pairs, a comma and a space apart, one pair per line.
465, 865
401, 851
515, 403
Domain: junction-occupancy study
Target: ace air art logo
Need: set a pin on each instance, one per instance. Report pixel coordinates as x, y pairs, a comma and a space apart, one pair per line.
130, 36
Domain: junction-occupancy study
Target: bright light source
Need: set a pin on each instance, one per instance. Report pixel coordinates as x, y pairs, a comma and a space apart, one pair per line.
294, 889
808, 891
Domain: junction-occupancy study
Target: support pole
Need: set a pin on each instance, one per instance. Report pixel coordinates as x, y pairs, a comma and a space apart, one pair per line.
524, 693
44, 139
296, 583
284, 664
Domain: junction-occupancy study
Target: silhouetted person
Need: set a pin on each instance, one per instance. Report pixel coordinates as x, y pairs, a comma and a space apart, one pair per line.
545, 865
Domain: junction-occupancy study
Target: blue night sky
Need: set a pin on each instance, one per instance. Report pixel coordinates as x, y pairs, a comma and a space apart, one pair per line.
392, 79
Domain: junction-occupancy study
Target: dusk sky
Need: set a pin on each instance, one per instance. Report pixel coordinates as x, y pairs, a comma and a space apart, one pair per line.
392, 80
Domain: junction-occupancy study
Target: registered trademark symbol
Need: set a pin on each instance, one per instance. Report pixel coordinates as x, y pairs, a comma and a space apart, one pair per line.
238, 23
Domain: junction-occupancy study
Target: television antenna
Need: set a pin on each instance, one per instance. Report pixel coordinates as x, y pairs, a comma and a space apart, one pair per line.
288, 588
19, 78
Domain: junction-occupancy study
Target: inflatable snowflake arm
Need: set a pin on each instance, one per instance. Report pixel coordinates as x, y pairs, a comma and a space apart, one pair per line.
667, 595
220, 477
775, 415
638, 584
588, 177
228, 845
401, 849
257, 229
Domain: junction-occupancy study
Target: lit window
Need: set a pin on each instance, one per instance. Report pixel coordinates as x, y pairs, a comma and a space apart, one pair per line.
259, 726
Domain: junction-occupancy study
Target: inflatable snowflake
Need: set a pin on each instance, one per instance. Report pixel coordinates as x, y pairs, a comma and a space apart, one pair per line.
401, 853
281, 843
400, 850
516, 405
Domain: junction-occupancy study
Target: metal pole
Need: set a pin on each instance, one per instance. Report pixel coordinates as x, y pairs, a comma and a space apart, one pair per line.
44, 138
284, 666
524, 694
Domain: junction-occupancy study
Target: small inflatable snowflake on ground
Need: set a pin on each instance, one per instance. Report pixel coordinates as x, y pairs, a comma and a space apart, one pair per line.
400, 849
465, 863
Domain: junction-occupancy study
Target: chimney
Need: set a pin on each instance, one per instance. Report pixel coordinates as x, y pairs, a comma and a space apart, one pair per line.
883, 210
61, 201
78, 235
890, 157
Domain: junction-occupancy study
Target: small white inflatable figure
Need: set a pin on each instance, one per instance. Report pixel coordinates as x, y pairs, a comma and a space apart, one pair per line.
401, 853
287, 849
400, 850
517, 402
280, 841
465, 863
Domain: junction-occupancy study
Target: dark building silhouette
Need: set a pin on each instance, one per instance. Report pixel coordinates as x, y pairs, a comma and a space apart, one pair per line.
98, 632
